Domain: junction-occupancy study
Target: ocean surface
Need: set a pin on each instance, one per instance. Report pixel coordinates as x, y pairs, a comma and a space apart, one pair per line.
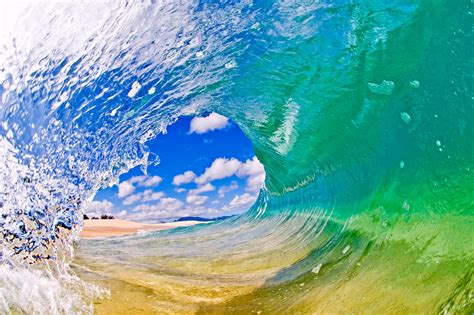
360, 111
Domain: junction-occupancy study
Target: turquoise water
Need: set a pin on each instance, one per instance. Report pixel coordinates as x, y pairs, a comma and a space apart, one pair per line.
360, 111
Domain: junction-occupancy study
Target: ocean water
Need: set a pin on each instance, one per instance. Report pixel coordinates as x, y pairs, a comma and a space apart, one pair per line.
360, 111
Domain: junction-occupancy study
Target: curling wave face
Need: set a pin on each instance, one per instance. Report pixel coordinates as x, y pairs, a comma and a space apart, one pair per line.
360, 111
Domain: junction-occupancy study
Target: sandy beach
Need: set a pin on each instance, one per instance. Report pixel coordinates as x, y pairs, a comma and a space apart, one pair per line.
116, 227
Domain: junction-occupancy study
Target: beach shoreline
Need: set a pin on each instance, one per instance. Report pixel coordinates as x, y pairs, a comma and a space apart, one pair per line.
117, 227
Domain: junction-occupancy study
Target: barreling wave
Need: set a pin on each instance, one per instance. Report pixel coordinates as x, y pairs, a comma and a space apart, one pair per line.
360, 111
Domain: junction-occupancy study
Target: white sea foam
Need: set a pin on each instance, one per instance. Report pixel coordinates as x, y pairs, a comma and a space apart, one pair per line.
31, 292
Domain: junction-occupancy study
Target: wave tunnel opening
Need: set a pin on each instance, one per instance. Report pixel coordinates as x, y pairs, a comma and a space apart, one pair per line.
203, 169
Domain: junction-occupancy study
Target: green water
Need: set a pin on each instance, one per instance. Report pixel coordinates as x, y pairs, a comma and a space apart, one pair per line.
376, 135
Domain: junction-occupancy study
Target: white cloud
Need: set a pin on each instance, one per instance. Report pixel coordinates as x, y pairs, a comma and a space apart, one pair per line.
151, 181
194, 196
122, 214
220, 168
165, 204
242, 200
180, 190
125, 189
251, 168
202, 189
196, 199
137, 179
153, 196
254, 183
165, 208
97, 208
212, 122
255, 173
160, 211
145, 181
225, 189
147, 195
172, 202
184, 178
132, 199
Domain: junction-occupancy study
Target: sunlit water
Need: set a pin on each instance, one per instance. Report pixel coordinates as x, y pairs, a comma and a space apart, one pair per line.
361, 112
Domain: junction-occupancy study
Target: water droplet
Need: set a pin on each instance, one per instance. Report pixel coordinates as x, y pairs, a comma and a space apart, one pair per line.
406, 205
136, 86
346, 249
231, 64
405, 117
415, 84
8, 82
255, 26
64, 96
153, 159
114, 112
317, 268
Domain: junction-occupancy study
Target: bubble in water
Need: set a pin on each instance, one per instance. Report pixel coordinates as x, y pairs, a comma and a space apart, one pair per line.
136, 86
346, 249
231, 64
415, 84
153, 159
7, 82
402, 164
438, 143
406, 205
317, 268
384, 88
64, 96
255, 26
114, 112
405, 117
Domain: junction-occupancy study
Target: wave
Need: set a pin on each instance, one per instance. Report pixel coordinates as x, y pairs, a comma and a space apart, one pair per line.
361, 113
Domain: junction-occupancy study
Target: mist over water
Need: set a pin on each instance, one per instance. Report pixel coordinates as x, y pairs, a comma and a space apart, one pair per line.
361, 113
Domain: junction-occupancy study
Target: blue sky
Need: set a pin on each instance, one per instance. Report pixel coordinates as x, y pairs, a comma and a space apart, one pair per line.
207, 168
